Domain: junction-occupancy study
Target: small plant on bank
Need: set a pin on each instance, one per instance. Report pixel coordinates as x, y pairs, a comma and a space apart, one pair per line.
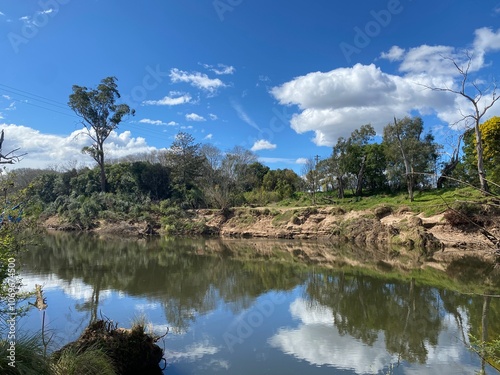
487, 350
117, 350
29, 356
283, 217
175, 220
92, 361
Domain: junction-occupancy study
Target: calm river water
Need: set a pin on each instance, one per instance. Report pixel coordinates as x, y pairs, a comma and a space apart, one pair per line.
230, 311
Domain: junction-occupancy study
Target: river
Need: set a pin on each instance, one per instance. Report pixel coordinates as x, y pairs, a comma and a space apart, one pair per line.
262, 307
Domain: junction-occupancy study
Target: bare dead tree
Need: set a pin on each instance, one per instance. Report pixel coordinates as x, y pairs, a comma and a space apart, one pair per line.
10, 157
478, 112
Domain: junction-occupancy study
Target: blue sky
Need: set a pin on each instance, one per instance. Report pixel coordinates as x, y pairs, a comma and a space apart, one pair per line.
283, 78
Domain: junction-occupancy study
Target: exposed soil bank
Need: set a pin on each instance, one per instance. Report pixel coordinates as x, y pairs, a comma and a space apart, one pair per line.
381, 228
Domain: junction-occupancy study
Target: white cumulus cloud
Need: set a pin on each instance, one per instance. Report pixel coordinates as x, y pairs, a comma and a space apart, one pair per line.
152, 122
174, 98
317, 341
196, 79
335, 103
262, 144
45, 150
394, 54
193, 352
332, 104
486, 39
194, 117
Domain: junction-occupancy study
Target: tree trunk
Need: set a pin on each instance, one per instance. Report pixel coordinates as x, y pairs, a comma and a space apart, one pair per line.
408, 168
408, 175
409, 183
480, 167
484, 329
361, 176
94, 299
314, 186
103, 178
100, 161
484, 318
340, 181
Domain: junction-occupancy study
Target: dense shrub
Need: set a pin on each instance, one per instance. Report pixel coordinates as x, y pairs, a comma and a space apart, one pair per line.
261, 197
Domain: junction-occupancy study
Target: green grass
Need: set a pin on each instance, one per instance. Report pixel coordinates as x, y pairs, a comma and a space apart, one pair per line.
29, 356
283, 217
177, 221
92, 361
429, 202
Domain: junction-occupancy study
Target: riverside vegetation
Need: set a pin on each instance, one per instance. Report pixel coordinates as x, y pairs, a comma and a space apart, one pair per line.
181, 192
194, 189
198, 189
376, 194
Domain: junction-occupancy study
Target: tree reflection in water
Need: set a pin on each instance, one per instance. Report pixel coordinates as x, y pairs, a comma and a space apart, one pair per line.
408, 315
191, 277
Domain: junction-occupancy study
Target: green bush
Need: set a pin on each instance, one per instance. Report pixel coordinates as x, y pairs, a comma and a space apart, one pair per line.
489, 350
172, 217
261, 197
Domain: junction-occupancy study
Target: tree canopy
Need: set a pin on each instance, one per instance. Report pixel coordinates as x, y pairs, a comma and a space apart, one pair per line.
100, 115
490, 131
408, 153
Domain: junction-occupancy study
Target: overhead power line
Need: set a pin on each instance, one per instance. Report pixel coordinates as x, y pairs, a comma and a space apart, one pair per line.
58, 107
38, 98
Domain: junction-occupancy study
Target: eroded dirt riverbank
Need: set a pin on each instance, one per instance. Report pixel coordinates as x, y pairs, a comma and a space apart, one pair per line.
394, 232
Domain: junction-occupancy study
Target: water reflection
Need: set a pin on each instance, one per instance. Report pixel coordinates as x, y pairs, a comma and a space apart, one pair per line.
408, 315
318, 341
250, 307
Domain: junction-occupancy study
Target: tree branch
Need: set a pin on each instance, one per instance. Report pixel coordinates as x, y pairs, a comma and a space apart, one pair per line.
10, 157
